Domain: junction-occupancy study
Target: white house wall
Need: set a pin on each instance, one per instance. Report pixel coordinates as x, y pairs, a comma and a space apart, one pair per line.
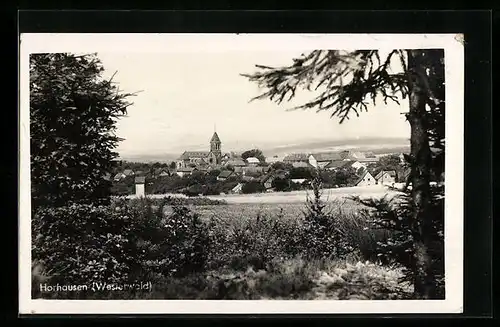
313, 162
367, 180
358, 165
139, 190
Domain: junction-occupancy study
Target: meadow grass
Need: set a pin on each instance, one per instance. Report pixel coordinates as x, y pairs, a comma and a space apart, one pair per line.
256, 251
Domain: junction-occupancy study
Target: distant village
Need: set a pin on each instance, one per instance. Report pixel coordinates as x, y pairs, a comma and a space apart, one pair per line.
251, 171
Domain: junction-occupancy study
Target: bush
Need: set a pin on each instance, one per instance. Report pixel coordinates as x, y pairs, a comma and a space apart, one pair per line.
252, 187
301, 172
165, 245
81, 242
253, 241
194, 190
282, 184
122, 243
123, 187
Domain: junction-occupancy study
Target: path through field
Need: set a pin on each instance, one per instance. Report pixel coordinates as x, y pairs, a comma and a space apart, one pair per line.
375, 191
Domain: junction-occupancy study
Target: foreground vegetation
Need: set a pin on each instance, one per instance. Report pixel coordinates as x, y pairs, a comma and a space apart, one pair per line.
259, 252
80, 236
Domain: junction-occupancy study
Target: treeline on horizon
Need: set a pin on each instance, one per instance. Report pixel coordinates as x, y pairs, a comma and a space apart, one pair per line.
168, 158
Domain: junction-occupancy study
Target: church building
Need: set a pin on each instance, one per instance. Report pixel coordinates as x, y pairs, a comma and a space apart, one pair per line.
202, 158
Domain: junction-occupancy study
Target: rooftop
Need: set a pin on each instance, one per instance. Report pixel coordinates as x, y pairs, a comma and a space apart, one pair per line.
296, 157
193, 154
327, 156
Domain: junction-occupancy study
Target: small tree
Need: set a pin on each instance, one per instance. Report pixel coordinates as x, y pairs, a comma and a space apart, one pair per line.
346, 176
279, 165
252, 187
281, 184
322, 238
73, 112
257, 153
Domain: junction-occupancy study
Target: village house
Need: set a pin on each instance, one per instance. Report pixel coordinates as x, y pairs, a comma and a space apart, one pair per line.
224, 175
273, 159
128, 172
237, 189
401, 157
362, 157
185, 171
119, 176
254, 170
162, 172
322, 159
140, 181
386, 177
354, 164
267, 180
246, 178
365, 179
252, 161
237, 164
296, 157
301, 164
335, 165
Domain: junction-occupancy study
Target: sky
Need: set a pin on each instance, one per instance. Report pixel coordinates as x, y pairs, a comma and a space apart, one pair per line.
184, 97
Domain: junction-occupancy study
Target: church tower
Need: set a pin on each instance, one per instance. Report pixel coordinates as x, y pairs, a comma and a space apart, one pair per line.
215, 150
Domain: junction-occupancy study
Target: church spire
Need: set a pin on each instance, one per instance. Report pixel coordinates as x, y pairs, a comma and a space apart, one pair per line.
215, 148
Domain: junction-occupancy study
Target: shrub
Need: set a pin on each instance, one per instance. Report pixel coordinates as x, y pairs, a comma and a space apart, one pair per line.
165, 245
253, 241
281, 184
81, 242
252, 187
194, 190
128, 241
123, 187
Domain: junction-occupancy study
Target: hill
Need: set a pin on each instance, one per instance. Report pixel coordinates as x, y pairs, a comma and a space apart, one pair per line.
376, 145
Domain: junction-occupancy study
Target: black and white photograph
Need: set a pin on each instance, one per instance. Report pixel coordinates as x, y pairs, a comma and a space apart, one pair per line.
241, 173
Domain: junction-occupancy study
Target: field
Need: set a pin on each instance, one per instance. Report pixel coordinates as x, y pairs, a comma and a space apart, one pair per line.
286, 204
332, 194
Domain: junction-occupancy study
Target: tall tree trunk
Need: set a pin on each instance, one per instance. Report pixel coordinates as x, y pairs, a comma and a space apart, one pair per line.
424, 282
